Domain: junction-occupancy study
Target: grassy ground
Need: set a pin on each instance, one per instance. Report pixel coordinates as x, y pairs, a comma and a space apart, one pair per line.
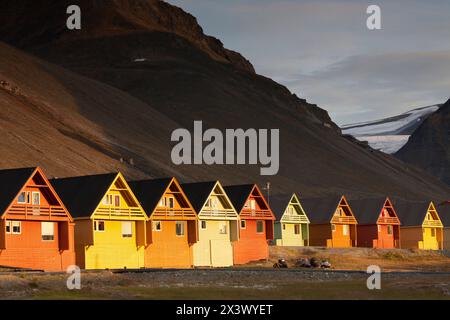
401, 279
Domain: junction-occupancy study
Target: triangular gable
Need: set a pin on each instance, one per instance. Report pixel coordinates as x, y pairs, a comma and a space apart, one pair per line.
151, 192
135, 211
229, 212
392, 217
295, 202
33, 177
432, 218
343, 206
260, 201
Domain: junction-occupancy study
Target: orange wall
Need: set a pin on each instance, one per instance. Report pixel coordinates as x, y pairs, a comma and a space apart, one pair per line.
252, 246
167, 250
368, 236
28, 250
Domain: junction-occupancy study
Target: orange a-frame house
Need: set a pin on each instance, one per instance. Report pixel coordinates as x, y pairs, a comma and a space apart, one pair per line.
333, 223
172, 223
256, 223
37, 231
378, 224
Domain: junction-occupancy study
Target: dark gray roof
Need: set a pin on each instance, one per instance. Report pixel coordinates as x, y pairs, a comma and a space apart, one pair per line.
150, 192
279, 203
11, 182
239, 194
82, 195
411, 213
367, 211
321, 210
444, 213
198, 193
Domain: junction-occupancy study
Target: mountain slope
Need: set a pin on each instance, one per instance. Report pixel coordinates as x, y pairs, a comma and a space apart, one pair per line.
429, 146
390, 134
165, 80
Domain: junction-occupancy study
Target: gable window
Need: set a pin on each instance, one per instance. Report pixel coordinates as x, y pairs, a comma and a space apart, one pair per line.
333, 227
179, 228
117, 200
24, 197
16, 227
162, 202
243, 224
297, 229
108, 200
389, 229
170, 202
345, 229
157, 226
223, 228
259, 226
8, 227
99, 226
203, 225
290, 211
36, 198
48, 231
127, 229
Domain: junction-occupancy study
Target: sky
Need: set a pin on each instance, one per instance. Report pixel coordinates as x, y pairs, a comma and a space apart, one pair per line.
323, 51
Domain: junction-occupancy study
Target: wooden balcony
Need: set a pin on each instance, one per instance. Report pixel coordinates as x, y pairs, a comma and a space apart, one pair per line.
343, 220
30, 212
113, 213
296, 218
219, 213
388, 220
173, 214
432, 223
256, 214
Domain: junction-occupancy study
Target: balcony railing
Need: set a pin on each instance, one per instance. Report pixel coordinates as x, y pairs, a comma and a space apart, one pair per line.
218, 213
343, 220
295, 218
432, 223
249, 213
34, 211
388, 220
169, 213
113, 212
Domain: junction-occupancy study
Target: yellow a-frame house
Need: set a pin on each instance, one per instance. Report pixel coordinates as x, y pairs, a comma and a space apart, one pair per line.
110, 229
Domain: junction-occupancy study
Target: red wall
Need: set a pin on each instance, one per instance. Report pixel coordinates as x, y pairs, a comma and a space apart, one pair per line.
252, 246
368, 236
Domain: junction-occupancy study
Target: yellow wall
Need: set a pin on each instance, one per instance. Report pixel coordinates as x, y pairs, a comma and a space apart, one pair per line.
288, 236
112, 251
213, 249
430, 242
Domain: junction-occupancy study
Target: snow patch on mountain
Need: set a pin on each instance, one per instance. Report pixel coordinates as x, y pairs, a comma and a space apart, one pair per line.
390, 134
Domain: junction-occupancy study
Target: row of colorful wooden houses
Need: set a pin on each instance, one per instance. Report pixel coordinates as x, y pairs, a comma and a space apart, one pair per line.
104, 222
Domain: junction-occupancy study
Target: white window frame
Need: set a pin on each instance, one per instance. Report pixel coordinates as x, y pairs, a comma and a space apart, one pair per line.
43, 223
32, 198
182, 224
243, 226
203, 224
223, 228
290, 211
20, 227
130, 234
8, 223
27, 197
170, 202
96, 225
155, 224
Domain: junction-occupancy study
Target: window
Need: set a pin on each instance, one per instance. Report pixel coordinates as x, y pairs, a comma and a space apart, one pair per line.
108, 200
290, 211
259, 226
117, 200
333, 227
24, 197
223, 228
170, 202
157, 226
297, 229
16, 227
203, 224
179, 228
127, 229
99, 226
8, 227
161, 202
250, 204
345, 229
433, 232
284, 226
243, 224
389, 229
36, 198
48, 231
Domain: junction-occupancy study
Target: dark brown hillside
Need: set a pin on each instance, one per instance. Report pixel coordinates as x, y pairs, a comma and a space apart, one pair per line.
429, 146
176, 80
